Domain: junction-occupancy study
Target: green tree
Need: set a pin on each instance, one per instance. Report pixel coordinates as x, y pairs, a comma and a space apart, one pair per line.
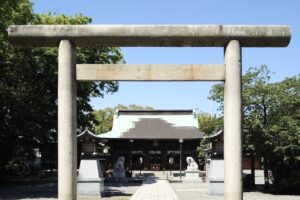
270, 124
28, 84
104, 120
283, 135
208, 124
104, 117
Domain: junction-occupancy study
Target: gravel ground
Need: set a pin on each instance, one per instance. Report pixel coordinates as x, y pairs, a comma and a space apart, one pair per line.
198, 191
184, 191
48, 191
121, 191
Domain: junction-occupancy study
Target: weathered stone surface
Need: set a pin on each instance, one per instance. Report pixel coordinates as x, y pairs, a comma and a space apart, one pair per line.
150, 35
233, 122
90, 180
192, 175
191, 164
119, 165
119, 173
67, 122
216, 177
149, 72
89, 169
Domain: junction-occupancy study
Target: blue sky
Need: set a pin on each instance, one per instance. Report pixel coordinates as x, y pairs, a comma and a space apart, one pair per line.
283, 62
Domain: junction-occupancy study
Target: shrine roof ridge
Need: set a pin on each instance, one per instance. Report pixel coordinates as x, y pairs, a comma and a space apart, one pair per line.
156, 112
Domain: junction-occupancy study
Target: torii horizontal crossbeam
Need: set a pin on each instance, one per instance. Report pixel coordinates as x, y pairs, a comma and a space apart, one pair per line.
149, 72
150, 35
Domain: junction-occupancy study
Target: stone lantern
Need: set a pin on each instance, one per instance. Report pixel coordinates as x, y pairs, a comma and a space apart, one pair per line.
90, 179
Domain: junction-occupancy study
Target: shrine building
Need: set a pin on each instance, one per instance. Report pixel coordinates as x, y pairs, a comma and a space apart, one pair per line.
149, 139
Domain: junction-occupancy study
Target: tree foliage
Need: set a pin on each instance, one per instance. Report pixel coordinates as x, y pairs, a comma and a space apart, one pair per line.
28, 84
104, 117
208, 124
271, 125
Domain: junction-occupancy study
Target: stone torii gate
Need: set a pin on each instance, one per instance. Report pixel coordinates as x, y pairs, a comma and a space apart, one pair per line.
230, 37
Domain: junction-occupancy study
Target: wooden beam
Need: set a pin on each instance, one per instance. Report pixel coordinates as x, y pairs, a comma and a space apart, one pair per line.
149, 72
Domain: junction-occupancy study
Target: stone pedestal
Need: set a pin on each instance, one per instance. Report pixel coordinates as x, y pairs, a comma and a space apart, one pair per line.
90, 180
216, 177
119, 173
192, 174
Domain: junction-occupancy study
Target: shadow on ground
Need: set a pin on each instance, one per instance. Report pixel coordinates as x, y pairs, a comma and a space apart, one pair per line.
40, 190
29, 191
114, 188
114, 192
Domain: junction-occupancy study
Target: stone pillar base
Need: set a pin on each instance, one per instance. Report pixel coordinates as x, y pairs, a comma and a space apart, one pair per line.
216, 187
192, 174
89, 180
119, 173
216, 177
90, 187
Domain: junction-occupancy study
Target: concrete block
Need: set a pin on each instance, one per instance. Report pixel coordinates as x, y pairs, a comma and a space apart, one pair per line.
88, 187
90, 180
216, 177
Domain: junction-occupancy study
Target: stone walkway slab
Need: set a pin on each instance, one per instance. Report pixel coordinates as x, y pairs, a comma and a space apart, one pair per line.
153, 189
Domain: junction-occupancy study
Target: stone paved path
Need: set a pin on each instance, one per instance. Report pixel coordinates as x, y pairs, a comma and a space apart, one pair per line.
153, 189
199, 191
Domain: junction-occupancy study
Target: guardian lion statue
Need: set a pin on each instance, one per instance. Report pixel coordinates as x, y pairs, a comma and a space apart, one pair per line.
119, 165
192, 165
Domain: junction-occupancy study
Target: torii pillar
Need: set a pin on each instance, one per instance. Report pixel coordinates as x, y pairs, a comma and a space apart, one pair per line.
67, 121
67, 37
233, 187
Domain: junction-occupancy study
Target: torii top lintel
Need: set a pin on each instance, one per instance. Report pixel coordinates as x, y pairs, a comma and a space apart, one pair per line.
150, 35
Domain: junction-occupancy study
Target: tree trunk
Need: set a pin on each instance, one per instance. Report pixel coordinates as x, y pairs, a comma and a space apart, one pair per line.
2, 173
266, 174
253, 171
